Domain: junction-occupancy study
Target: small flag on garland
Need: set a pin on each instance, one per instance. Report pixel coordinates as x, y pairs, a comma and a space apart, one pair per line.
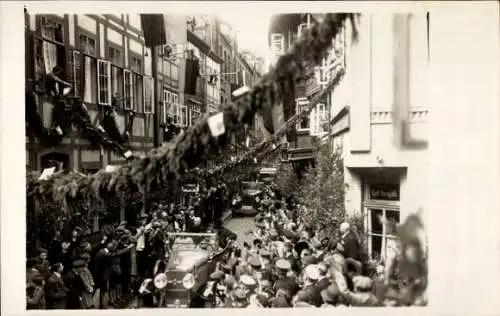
47, 173
216, 124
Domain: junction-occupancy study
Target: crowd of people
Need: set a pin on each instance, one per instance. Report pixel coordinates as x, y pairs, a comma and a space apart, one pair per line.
289, 265
86, 271
286, 263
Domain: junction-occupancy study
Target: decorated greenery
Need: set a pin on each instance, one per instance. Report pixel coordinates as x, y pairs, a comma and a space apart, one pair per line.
175, 161
286, 181
322, 191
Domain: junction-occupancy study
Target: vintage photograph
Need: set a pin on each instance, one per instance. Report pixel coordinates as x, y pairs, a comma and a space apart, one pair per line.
226, 161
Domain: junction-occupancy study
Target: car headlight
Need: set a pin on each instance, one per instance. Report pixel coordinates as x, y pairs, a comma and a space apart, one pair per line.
188, 281
160, 281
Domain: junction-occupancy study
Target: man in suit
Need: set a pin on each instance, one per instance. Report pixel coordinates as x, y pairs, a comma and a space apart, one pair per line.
348, 245
55, 290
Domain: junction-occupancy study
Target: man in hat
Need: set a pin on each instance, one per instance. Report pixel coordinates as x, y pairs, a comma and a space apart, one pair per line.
309, 292
249, 284
284, 281
255, 265
238, 298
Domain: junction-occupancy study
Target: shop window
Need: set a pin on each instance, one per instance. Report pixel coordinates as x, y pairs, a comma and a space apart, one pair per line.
381, 205
104, 82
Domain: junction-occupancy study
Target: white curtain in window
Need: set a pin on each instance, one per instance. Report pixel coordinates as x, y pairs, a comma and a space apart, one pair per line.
49, 56
90, 94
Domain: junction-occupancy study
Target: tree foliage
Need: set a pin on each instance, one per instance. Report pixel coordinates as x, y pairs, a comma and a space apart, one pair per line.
322, 191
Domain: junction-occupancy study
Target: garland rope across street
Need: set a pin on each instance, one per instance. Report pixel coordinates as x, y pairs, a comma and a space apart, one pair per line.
187, 150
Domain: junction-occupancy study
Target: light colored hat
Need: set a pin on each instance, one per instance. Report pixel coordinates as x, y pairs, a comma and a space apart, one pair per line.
283, 264
247, 280
362, 282
312, 272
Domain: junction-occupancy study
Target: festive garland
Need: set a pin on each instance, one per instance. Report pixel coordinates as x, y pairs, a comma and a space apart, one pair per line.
81, 119
188, 149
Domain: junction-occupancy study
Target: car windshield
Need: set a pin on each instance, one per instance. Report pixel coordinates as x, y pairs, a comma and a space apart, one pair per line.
192, 241
251, 186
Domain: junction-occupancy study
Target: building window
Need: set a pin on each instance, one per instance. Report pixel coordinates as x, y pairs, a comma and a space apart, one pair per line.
148, 95
76, 72
127, 86
104, 82
90, 93
318, 118
52, 44
301, 105
87, 44
136, 64
277, 43
194, 113
115, 56
117, 86
138, 92
381, 205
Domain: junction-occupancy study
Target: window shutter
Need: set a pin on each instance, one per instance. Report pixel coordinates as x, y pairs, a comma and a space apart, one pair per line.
301, 28
127, 89
108, 81
99, 65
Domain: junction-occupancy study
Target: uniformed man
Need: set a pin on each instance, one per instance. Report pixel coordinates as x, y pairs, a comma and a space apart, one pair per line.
248, 284
238, 299
283, 280
309, 292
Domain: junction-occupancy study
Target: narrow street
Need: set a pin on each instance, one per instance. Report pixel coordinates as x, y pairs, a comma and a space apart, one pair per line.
243, 227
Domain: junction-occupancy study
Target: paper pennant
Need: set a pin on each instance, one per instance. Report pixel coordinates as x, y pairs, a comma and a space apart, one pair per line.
100, 128
247, 142
241, 91
274, 146
216, 124
59, 130
111, 168
127, 154
47, 173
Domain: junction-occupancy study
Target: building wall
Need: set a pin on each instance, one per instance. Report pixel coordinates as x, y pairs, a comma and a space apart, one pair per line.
120, 33
374, 90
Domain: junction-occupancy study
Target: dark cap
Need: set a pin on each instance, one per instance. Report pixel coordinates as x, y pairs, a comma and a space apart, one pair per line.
265, 254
